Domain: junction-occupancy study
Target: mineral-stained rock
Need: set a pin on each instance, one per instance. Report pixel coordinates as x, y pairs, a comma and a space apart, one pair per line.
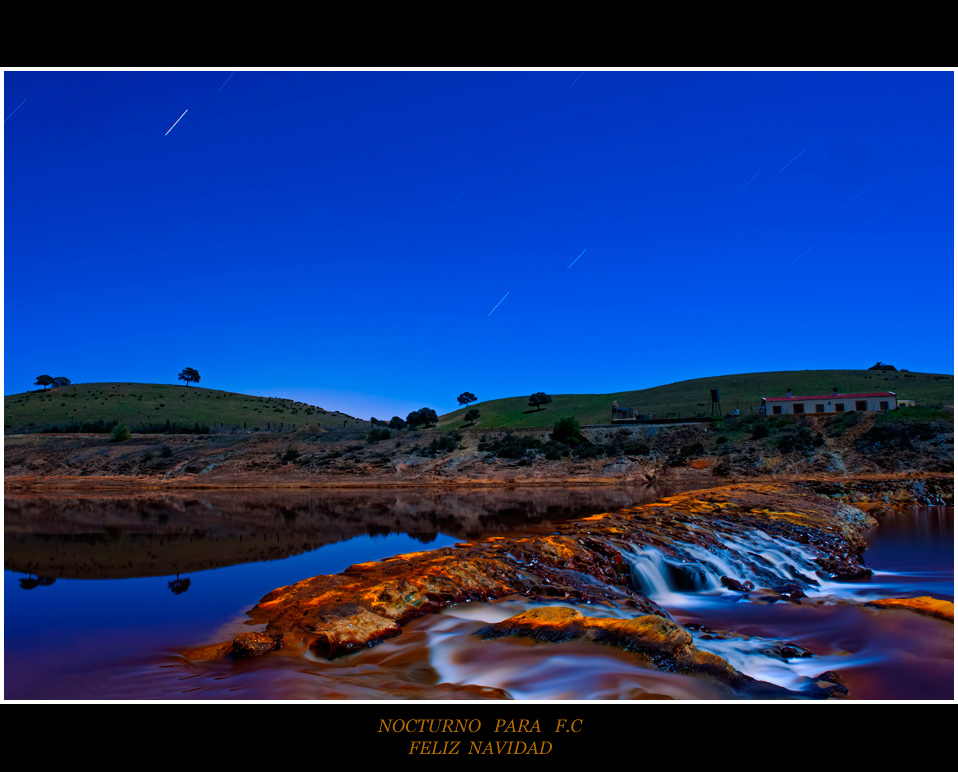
254, 644
942, 609
347, 626
661, 641
369, 601
212, 651
582, 562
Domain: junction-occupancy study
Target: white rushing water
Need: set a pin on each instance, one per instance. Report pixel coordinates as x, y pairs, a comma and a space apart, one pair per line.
783, 641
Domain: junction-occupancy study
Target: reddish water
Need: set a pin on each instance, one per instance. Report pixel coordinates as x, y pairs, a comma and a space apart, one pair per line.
117, 639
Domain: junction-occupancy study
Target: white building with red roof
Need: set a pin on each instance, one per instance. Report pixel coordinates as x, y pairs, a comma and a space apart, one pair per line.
829, 403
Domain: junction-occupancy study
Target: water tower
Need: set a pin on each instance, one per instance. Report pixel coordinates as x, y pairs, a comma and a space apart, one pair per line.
715, 403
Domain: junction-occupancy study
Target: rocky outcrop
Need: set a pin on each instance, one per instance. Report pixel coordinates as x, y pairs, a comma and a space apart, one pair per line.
369, 602
658, 641
933, 607
584, 562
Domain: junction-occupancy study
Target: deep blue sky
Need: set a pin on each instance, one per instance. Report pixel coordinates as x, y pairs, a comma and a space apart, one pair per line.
342, 237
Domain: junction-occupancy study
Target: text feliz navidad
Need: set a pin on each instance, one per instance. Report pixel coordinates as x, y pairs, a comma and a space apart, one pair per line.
478, 744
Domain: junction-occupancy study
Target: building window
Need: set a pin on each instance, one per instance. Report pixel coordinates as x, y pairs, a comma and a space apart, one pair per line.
861, 404
798, 407
883, 406
819, 408
776, 409
839, 407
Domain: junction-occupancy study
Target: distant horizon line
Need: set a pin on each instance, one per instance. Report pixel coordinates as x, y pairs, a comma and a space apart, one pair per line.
666, 383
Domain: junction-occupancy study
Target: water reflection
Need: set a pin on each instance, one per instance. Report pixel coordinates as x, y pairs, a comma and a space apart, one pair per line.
29, 582
117, 537
74, 639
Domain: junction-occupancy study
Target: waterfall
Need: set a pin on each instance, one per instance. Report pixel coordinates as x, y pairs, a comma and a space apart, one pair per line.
689, 574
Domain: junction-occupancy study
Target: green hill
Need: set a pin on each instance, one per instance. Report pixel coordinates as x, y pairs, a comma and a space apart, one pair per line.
692, 398
148, 406
152, 406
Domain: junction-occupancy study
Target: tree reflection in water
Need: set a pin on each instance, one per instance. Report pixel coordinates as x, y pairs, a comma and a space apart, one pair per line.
179, 586
71, 536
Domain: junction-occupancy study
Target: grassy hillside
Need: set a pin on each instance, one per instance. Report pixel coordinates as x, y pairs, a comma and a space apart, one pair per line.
145, 405
690, 398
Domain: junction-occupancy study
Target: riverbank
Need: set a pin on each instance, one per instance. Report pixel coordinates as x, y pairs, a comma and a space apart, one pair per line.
816, 448
258, 539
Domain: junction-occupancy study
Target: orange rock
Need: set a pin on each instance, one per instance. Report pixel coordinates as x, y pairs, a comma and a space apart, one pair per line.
942, 609
211, 652
660, 641
254, 644
370, 601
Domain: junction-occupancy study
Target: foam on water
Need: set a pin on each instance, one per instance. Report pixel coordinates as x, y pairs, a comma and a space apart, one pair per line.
565, 671
686, 581
754, 656
693, 575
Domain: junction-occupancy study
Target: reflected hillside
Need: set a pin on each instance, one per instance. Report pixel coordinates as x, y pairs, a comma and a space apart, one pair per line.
119, 536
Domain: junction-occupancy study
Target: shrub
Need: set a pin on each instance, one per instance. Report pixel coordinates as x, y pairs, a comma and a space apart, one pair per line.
120, 433
165, 451
554, 452
378, 434
801, 439
567, 431
291, 454
842, 422
443, 444
588, 450
623, 444
511, 446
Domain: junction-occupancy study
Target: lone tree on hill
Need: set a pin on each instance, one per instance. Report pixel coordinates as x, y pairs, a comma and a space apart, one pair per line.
188, 374
61, 381
44, 381
472, 415
466, 397
539, 399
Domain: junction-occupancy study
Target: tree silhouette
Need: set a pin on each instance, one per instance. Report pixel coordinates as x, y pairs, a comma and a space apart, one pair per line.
422, 417
539, 399
44, 381
61, 381
178, 586
41, 581
189, 374
472, 415
466, 397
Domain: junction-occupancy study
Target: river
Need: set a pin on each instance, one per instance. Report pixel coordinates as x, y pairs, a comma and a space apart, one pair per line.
102, 593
